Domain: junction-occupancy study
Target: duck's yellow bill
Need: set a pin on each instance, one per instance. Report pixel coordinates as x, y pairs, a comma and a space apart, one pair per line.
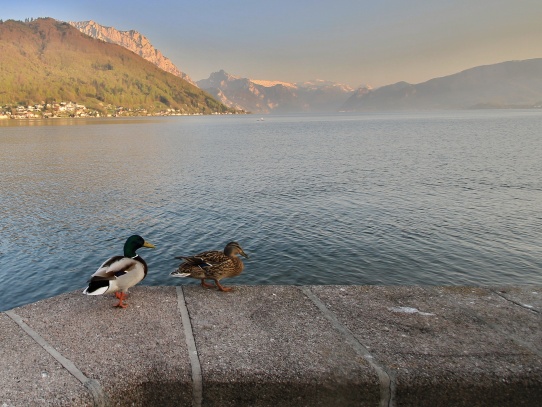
149, 245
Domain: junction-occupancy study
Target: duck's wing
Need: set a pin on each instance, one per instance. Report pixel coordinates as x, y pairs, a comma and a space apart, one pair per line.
204, 259
205, 264
114, 267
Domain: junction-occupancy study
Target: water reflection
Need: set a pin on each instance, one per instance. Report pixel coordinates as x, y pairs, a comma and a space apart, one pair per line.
79, 121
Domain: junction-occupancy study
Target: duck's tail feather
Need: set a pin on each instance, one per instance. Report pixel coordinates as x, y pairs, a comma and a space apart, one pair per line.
177, 273
97, 287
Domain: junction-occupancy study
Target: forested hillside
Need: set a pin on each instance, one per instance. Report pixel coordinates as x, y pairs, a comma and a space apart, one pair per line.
45, 60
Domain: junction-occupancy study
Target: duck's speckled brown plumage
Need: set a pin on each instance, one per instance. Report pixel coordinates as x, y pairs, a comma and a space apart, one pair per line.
212, 265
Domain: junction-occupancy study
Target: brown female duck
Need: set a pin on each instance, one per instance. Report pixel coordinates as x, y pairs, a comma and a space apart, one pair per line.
212, 265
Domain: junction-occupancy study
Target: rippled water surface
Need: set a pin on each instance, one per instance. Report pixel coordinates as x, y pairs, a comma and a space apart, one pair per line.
425, 198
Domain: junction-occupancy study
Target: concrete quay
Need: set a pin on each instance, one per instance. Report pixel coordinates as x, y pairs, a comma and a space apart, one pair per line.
277, 346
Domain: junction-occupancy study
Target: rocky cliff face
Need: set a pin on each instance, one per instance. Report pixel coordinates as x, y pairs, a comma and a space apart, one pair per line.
259, 96
133, 41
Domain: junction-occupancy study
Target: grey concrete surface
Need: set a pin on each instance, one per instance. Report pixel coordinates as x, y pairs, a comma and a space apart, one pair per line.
277, 346
446, 346
29, 376
270, 346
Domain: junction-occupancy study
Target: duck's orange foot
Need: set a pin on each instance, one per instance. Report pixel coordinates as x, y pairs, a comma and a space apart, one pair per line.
121, 297
222, 288
205, 285
121, 305
225, 289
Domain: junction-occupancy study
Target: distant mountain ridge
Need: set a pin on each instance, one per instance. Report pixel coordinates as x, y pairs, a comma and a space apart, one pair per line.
132, 40
505, 85
263, 96
43, 59
509, 84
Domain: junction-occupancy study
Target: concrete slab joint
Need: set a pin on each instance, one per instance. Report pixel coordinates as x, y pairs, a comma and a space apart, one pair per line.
93, 386
387, 382
197, 381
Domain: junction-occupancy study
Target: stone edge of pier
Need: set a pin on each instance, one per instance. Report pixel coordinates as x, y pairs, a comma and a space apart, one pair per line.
277, 346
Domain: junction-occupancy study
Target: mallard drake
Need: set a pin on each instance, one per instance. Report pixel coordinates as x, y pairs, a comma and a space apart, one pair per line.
212, 265
118, 273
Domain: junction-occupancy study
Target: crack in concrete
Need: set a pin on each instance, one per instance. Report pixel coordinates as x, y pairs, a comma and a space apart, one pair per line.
514, 338
386, 379
93, 386
197, 379
532, 309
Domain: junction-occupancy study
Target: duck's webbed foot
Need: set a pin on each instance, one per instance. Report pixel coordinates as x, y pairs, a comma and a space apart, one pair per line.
222, 288
205, 285
121, 297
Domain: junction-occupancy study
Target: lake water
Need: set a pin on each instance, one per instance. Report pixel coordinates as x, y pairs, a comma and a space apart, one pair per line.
441, 198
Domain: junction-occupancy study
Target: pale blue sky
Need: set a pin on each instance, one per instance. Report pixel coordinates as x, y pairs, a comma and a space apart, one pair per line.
349, 41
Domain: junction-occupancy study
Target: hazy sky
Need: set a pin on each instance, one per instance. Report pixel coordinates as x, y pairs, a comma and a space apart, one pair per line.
375, 42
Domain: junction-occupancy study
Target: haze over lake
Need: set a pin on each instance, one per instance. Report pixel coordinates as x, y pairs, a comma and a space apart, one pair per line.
443, 198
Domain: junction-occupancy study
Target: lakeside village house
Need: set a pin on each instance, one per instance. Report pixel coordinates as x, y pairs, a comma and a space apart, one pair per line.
63, 109
72, 109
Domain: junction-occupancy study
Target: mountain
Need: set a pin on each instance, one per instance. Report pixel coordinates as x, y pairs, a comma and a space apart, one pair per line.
49, 60
133, 41
504, 85
259, 96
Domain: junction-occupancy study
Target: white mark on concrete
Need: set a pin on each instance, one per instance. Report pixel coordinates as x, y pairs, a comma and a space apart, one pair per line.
409, 310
